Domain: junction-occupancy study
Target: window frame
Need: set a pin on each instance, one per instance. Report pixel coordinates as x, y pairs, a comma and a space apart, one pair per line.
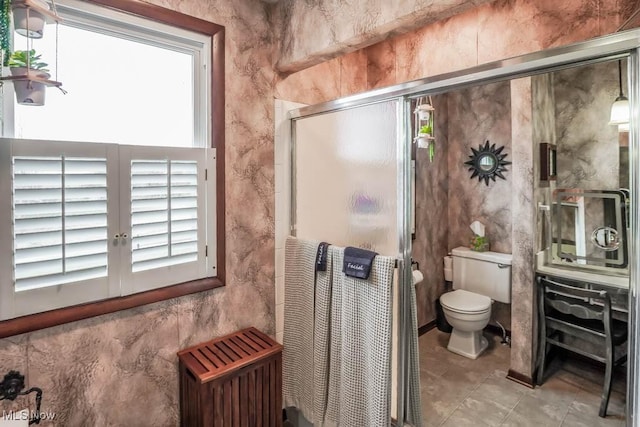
60, 316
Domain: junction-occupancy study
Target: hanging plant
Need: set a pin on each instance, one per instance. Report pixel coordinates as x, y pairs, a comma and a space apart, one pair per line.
424, 138
424, 111
5, 30
425, 130
29, 20
27, 63
27, 59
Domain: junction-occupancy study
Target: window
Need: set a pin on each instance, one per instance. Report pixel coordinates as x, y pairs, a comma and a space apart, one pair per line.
113, 185
129, 81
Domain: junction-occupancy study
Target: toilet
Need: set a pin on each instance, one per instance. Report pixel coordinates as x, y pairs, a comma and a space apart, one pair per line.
479, 278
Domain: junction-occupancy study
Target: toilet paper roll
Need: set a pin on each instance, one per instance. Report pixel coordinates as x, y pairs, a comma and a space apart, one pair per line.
417, 276
448, 274
448, 262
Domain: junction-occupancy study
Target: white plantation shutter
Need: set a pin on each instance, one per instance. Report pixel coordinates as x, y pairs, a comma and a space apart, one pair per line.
164, 213
61, 203
167, 216
60, 220
85, 222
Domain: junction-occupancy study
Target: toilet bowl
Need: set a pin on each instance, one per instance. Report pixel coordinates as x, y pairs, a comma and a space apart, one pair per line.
468, 313
479, 278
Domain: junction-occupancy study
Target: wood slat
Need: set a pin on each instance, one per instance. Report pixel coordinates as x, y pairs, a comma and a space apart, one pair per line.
259, 339
218, 401
265, 395
236, 349
278, 396
206, 351
206, 363
193, 365
243, 401
224, 347
272, 394
249, 342
223, 357
228, 404
241, 345
259, 392
235, 387
251, 376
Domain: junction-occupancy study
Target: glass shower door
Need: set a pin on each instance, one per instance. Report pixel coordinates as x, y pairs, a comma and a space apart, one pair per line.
346, 177
348, 189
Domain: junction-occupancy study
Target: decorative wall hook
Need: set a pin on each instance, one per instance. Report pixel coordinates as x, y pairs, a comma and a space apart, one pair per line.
11, 387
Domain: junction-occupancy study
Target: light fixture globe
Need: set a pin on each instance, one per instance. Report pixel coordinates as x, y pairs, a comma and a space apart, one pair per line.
620, 108
619, 111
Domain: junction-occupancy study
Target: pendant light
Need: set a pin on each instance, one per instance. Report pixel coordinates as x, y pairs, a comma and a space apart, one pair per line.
620, 108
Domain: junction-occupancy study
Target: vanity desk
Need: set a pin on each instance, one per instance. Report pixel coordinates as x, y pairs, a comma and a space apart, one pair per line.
616, 286
574, 317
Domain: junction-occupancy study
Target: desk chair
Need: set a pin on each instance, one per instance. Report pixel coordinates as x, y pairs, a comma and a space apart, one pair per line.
584, 314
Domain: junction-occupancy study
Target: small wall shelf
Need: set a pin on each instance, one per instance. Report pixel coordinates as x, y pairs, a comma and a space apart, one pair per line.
44, 81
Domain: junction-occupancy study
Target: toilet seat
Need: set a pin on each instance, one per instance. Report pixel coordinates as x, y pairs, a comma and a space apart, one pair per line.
465, 302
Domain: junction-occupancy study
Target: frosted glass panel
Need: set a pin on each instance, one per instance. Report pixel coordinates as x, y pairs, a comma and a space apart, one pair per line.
346, 175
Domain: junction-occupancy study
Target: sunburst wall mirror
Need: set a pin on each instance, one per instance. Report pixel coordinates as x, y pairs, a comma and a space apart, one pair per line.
487, 162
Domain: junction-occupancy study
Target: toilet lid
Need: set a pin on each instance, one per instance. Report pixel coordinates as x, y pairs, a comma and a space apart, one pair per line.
465, 301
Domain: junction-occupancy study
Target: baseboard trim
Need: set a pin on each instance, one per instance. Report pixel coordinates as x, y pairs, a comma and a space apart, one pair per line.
520, 378
426, 327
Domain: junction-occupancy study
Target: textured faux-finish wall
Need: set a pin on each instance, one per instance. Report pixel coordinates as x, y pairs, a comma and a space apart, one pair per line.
588, 150
340, 27
493, 31
121, 369
475, 115
432, 214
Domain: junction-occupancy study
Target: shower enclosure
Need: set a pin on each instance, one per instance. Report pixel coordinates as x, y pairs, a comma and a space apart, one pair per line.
348, 183
351, 180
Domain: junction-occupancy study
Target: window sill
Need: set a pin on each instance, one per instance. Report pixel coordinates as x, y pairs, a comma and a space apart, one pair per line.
34, 322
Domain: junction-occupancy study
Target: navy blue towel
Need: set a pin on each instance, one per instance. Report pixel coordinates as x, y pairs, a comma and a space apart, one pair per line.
357, 262
321, 256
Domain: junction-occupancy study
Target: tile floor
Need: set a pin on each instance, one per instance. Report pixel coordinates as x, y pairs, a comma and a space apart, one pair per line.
459, 392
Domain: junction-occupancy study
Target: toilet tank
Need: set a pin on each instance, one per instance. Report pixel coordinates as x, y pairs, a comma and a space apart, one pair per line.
484, 273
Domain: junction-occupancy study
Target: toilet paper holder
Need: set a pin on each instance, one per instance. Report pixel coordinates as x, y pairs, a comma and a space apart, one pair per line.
11, 387
413, 262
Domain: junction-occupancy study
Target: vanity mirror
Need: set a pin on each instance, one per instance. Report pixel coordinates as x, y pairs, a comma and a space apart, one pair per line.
589, 228
583, 169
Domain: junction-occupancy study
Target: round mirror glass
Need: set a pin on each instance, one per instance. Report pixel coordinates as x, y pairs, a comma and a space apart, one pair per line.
487, 162
606, 238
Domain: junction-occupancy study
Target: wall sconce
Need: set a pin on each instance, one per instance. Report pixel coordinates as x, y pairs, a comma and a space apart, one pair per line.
620, 108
